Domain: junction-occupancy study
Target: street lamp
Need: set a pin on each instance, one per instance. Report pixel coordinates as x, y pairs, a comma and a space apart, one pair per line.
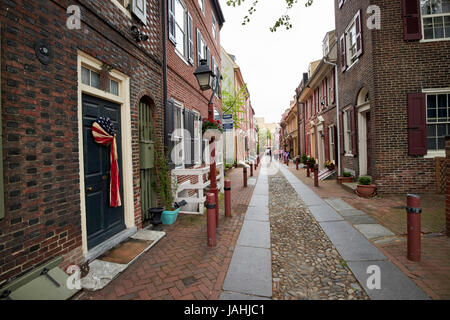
207, 80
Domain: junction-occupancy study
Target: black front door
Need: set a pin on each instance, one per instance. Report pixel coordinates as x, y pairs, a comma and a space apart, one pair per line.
102, 220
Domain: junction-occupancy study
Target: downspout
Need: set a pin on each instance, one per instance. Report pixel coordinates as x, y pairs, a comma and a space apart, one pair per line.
336, 84
164, 43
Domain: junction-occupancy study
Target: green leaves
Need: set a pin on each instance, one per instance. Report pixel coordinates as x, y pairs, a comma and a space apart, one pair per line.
284, 20
234, 103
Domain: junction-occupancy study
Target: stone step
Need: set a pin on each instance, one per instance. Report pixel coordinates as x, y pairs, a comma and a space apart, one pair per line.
349, 186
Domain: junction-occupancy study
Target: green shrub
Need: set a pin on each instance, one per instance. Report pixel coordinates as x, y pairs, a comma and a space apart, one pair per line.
304, 158
365, 180
346, 174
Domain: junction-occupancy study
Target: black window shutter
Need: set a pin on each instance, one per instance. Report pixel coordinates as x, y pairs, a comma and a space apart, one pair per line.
353, 129
412, 27
168, 130
171, 20
359, 38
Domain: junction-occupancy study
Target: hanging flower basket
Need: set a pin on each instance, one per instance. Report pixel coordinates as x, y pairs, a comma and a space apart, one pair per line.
211, 125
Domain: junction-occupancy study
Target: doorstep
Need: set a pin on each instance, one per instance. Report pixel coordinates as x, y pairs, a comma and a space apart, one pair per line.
101, 272
350, 186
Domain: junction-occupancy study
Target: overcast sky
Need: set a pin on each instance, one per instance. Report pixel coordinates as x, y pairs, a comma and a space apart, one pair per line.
272, 64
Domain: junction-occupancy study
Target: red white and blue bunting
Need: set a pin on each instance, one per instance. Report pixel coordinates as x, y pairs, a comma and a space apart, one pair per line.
104, 135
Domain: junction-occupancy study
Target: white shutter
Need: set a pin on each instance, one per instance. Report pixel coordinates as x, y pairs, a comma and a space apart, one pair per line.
139, 8
190, 32
199, 47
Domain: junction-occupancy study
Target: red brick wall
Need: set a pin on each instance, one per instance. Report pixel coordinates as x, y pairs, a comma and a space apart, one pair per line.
40, 121
447, 190
400, 68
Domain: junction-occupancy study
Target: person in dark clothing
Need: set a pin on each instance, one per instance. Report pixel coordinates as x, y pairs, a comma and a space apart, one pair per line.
270, 154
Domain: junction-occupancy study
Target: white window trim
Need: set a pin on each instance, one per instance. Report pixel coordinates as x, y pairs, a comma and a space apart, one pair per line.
122, 8
439, 152
180, 105
422, 17
214, 27
185, 28
345, 129
200, 139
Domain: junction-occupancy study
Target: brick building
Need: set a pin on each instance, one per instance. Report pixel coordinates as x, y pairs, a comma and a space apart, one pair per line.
193, 34
56, 79
394, 89
316, 98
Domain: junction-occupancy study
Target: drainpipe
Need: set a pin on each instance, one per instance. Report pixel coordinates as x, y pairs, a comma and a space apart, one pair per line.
337, 112
164, 44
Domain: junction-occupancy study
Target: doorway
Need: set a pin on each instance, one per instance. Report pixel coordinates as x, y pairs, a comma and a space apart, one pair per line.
102, 221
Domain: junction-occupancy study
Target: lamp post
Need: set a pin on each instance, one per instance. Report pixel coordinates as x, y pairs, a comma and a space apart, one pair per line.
208, 80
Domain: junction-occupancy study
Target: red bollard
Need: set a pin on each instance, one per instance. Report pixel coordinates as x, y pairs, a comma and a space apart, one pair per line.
296, 164
251, 170
245, 177
256, 166
211, 219
227, 189
308, 171
287, 162
413, 211
316, 175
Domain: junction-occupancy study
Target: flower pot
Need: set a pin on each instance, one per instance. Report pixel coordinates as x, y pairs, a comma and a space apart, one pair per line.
341, 179
155, 215
169, 217
331, 167
365, 191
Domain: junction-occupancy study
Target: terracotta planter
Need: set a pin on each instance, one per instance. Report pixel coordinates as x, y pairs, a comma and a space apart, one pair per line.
365, 191
340, 180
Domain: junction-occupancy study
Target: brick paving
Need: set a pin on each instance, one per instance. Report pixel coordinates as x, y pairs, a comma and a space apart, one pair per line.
181, 266
432, 274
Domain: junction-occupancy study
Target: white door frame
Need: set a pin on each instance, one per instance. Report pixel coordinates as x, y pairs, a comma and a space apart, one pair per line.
362, 138
127, 175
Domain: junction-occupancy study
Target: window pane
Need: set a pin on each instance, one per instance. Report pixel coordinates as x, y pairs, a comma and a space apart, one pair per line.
441, 143
95, 80
438, 27
442, 101
431, 101
179, 35
431, 130
431, 115
431, 143
446, 6
425, 4
114, 87
436, 6
441, 130
428, 28
447, 26
85, 76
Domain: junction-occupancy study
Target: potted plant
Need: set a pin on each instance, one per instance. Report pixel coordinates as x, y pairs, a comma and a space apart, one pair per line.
311, 162
208, 124
329, 165
365, 188
346, 177
304, 158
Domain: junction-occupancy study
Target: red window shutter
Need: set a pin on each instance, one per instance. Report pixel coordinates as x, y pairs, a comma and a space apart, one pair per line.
341, 132
412, 26
333, 90
353, 129
417, 124
359, 39
343, 53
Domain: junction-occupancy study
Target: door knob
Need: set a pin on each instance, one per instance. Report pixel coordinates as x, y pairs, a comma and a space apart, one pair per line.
89, 189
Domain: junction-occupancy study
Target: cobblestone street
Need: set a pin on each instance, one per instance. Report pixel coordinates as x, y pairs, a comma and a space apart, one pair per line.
305, 264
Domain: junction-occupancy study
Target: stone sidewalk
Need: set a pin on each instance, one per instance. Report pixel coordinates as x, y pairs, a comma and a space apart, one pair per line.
181, 266
432, 274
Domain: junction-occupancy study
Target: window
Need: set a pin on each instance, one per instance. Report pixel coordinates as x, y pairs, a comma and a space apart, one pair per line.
180, 26
347, 132
435, 19
202, 49
114, 87
177, 136
331, 142
351, 44
124, 3
201, 3
214, 27
438, 120
90, 77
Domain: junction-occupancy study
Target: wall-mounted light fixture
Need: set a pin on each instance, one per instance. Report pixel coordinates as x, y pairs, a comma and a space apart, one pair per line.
138, 35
